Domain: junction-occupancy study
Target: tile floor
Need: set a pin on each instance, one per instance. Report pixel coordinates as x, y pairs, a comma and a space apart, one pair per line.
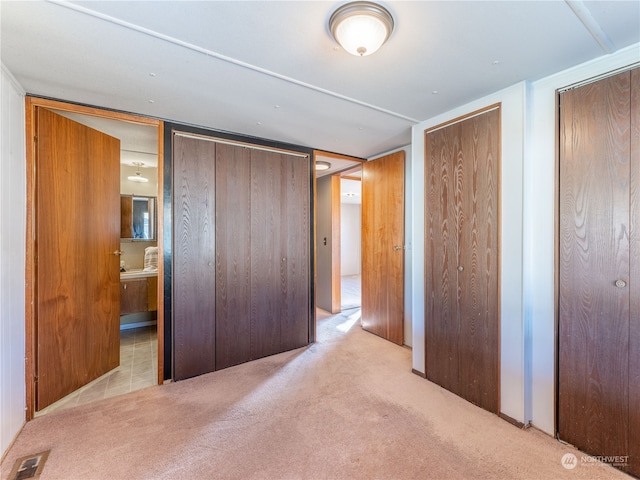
138, 369
350, 291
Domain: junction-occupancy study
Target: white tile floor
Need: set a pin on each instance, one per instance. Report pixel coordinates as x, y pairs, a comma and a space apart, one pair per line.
138, 369
350, 291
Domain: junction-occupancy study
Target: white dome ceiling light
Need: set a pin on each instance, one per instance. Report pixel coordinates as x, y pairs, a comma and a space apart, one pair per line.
361, 28
320, 165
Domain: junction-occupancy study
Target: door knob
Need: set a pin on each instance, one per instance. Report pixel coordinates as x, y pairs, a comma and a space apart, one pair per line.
460, 268
397, 247
620, 283
117, 253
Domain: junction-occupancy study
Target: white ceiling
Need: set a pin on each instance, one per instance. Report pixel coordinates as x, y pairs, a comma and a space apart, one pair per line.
270, 69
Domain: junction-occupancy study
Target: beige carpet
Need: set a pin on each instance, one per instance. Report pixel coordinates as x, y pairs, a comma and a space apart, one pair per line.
347, 407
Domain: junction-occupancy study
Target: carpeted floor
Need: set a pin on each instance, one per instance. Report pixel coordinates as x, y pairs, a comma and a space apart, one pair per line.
347, 407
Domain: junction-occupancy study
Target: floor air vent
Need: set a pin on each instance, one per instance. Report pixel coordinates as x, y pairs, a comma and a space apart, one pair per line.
29, 467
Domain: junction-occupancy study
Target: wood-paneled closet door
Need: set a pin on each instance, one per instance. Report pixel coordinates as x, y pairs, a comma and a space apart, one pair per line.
599, 268
233, 255
461, 282
280, 253
193, 278
241, 287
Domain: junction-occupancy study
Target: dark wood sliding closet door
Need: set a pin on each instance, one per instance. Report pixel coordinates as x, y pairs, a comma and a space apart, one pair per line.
599, 268
194, 286
268, 262
280, 260
233, 255
461, 301
241, 267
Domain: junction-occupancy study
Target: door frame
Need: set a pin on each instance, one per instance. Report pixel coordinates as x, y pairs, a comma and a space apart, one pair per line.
31, 287
336, 306
336, 193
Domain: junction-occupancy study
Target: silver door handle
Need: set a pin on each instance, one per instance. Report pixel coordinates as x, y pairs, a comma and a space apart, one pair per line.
460, 268
620, 283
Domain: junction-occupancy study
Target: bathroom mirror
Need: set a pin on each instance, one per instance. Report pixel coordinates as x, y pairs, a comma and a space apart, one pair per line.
137, 218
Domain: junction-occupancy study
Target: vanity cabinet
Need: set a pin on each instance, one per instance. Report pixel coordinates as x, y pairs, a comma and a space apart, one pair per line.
138, 295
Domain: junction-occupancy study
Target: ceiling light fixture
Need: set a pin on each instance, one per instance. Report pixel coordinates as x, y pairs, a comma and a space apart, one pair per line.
320, 165
361, 28
138, 178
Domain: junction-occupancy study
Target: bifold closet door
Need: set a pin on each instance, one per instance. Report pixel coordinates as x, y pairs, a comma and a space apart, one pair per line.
233, 255
193, 277
599, 268
240, 254
461, 281
279, 252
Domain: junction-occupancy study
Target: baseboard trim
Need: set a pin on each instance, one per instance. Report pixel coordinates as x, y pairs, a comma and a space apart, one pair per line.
128, 326
420, 374
512, 421
12, 442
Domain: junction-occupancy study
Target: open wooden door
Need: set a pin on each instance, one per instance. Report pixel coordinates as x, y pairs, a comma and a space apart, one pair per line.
77, 243
383, 247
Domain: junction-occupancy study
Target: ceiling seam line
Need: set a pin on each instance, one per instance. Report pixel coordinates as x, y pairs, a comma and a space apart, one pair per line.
224, 58
593, 27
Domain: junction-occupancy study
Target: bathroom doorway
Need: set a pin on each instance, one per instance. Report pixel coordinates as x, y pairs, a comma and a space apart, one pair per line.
92, 365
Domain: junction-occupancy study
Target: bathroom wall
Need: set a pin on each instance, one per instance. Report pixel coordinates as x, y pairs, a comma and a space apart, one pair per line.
133, 253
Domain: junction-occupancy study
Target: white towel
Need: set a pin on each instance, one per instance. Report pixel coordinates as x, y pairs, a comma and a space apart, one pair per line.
151, 259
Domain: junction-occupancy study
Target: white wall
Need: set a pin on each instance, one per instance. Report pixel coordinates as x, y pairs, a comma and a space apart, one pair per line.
12, 258
350, 238
127, 187
539, 228
512, 351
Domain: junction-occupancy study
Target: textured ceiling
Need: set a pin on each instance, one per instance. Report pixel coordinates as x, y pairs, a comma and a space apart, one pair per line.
270, 69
